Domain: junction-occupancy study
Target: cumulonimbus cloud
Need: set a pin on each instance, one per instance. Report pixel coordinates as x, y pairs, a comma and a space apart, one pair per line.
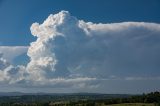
68, 50
66, 45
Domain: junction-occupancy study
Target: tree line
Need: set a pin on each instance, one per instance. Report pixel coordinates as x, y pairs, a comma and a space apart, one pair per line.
41, 100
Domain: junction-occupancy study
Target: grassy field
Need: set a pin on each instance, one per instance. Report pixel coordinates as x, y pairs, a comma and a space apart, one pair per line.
132, 104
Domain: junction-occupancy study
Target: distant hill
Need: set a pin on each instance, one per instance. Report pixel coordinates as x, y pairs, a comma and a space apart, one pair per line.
13, 94
63, 94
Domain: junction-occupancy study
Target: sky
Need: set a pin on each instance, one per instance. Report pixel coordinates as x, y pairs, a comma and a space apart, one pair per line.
102, 46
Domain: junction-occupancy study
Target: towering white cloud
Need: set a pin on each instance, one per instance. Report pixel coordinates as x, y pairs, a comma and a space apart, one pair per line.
66, 47
73, 53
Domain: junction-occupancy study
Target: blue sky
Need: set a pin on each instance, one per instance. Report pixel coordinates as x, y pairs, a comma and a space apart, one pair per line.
106, 46
18, 15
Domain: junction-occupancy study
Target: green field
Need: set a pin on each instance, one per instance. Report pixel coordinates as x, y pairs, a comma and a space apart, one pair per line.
133, 104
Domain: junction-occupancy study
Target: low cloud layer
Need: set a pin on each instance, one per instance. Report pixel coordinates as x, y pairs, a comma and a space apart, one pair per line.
73, 53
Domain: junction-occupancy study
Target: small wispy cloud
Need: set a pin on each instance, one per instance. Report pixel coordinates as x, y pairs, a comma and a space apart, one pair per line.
11, 52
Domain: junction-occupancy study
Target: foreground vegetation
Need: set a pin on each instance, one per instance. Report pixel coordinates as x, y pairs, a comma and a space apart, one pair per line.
151, 99
133, 104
